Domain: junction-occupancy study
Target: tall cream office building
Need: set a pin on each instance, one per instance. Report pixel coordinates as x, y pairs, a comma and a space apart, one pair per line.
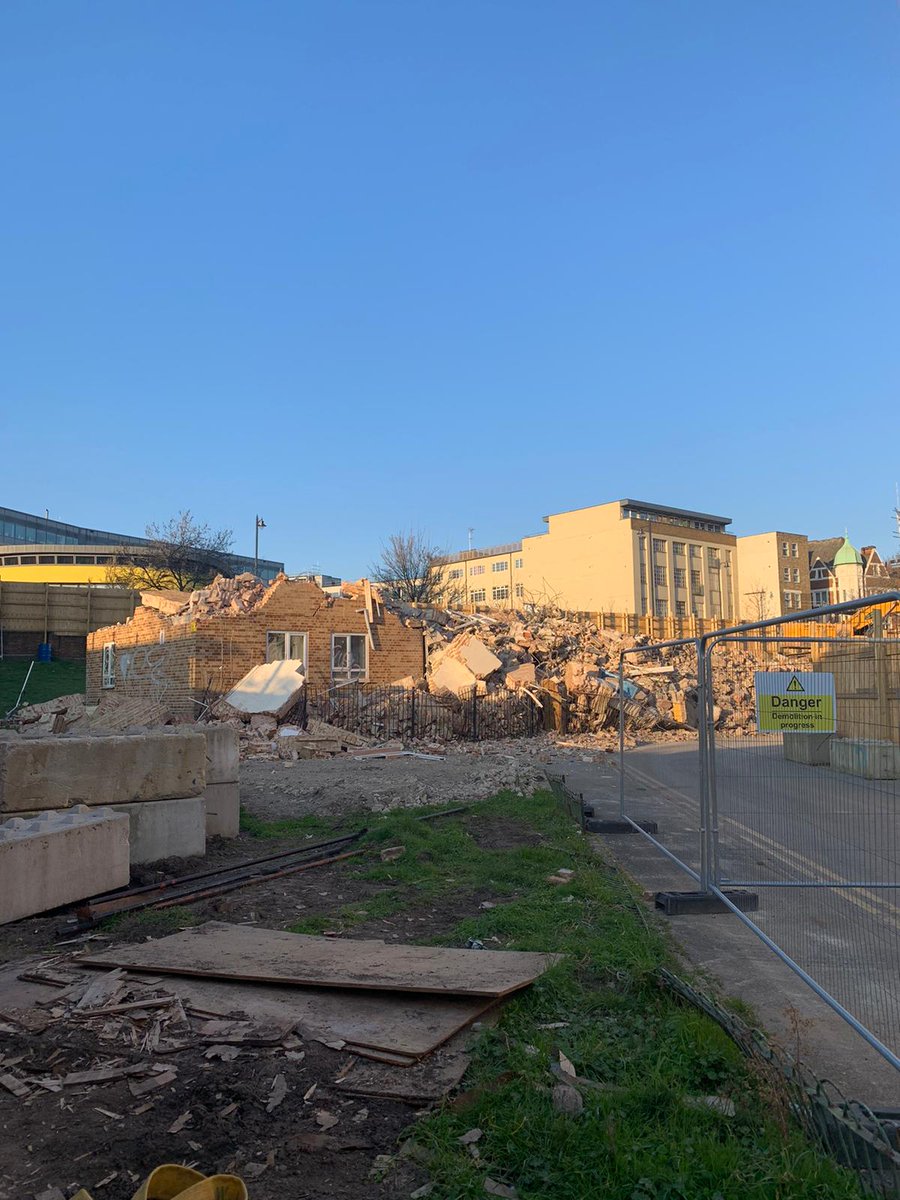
627, 556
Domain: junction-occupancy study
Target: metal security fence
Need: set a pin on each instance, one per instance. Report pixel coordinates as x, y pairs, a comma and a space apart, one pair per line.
810, 820
798, 814
411, 714
866, 1141
672, 802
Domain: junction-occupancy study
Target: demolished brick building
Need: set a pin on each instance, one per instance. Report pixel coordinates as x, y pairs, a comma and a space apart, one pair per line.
182, 650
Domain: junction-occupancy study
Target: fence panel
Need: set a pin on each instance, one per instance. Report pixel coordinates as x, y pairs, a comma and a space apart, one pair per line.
390, 713
658, 781
809, 819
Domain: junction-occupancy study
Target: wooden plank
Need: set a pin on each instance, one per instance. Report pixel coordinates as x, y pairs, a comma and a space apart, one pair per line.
400, 1023
223, 951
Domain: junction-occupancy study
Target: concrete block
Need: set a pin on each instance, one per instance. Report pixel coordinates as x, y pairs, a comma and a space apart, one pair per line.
452, 676
222, 753
272, 688
869, 758
165, 828
60, 772
55, 858
473, 653
812, 748
223, 809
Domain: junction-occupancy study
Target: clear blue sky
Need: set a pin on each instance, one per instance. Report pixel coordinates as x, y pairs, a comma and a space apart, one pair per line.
366, 265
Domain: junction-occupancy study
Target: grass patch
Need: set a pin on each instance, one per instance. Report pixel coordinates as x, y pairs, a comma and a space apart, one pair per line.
48, 680
640, 1136
289, 827
151, 922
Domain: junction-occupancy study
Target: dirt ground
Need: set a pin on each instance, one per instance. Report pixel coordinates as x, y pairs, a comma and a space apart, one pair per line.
334, 787
101, 1137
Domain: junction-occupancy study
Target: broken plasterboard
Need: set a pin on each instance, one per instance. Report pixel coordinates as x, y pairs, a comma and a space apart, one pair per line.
271, 688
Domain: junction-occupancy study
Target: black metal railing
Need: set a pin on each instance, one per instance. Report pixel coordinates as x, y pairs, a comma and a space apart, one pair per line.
410, 714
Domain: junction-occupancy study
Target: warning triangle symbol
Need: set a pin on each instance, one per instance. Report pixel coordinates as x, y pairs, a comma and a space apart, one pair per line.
795, 685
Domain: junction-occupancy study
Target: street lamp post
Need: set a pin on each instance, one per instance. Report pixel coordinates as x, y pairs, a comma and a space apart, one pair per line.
260, 524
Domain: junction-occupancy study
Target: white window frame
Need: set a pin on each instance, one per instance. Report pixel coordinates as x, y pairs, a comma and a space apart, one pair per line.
659, 576
500, 592
108, 665
500, 566
519, 563
476, 570
479, 596
350, 674
456, 573
520, 590
289, 634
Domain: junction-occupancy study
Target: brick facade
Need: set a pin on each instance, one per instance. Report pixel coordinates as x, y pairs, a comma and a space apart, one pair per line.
177, 661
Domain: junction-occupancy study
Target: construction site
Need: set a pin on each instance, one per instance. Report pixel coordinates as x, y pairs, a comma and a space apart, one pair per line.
296, 893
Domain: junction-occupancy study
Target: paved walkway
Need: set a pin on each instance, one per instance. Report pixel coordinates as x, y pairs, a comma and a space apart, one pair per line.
726, 950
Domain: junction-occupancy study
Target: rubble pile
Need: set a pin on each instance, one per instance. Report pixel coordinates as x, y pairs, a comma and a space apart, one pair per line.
70, 714
295, 736
237, 595
571, 663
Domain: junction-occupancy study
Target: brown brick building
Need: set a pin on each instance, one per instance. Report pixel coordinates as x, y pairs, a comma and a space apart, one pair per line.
179, 659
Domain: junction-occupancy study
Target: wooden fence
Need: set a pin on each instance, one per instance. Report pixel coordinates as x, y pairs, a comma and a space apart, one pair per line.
60, 614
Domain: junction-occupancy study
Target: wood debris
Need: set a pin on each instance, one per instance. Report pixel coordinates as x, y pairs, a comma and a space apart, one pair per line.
151, 1084
179, 1123
277, 1094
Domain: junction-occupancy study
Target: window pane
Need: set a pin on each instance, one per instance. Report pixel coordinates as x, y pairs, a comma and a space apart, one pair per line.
339, 653
298, 646
358, 652
274, 647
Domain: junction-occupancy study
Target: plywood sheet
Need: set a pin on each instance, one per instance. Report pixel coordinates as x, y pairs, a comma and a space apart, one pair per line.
401, 1024
224, 951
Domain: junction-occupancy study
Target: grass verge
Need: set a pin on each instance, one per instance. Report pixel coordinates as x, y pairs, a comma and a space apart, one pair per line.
645, 1132
48, 680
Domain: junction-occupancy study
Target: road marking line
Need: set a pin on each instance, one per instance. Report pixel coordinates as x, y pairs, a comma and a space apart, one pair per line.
883, 909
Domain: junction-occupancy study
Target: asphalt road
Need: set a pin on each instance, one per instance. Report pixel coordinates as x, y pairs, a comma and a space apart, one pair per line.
786, 823
662, 785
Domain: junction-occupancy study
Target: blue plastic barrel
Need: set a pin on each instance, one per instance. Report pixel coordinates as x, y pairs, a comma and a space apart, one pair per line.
45, 652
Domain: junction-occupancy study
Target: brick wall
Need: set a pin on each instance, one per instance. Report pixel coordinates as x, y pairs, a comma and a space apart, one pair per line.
210, 654
153, 661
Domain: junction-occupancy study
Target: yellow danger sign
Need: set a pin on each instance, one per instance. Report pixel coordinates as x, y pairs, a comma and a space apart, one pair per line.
795, 702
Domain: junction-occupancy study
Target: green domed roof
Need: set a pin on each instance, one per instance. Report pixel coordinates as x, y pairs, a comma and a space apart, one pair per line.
848, 556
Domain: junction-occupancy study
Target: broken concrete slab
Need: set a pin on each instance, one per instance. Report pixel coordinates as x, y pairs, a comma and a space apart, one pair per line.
450, 675
61, 772
223, 809
165, 828
55, 858
474, 654
271, 688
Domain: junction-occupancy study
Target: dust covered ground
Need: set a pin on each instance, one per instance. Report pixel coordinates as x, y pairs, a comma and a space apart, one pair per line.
334, 787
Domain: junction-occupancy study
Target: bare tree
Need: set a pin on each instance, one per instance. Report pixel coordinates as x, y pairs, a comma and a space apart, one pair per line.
411, 568
180, 554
